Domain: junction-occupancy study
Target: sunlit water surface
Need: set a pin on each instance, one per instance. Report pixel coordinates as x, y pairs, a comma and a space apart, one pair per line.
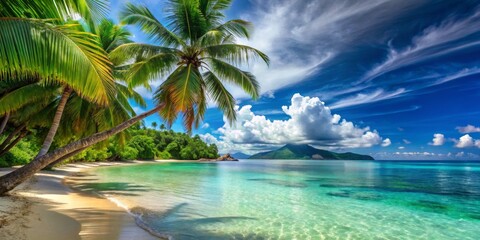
266, 199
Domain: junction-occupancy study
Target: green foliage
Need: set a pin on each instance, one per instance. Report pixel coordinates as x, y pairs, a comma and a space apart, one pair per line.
128, 153
144, 145
153, 144
94, 154
164, 155
149, 144
21, 154
78, 60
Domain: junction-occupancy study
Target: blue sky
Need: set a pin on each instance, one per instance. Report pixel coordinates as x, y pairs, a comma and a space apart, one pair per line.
395, 79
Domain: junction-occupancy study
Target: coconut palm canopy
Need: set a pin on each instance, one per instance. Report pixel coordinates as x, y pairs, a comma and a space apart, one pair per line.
59, 61
195, 54
63, 52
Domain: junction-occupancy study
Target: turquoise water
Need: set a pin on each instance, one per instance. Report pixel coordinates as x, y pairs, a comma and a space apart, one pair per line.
256, 199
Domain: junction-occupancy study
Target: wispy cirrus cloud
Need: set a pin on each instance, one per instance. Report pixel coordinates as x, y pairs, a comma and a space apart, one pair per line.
300, 37
368, 97
434, 41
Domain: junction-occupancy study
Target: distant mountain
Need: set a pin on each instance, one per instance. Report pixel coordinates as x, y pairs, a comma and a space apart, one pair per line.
305, 151
240, 155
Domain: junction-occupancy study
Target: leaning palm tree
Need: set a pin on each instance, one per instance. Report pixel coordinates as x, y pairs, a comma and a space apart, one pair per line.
196, 54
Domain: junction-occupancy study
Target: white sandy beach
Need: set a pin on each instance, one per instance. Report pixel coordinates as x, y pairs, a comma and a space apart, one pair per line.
46, 208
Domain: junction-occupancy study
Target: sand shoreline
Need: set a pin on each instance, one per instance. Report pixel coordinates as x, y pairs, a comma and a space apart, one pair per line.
45, 207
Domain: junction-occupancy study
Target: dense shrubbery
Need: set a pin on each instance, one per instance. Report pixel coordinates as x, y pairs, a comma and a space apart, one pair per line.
146, 144
22, 153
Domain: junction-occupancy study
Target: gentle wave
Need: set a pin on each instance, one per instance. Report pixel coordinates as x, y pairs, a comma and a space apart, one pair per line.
137, 213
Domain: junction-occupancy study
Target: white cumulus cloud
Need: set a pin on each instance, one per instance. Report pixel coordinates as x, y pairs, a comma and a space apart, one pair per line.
438, 139
465, 141
309, 121
386, 142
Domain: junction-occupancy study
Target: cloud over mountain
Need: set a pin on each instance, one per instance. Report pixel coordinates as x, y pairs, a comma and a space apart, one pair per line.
309, 121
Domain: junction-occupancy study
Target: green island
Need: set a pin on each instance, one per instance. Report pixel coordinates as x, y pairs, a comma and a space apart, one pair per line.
305, 151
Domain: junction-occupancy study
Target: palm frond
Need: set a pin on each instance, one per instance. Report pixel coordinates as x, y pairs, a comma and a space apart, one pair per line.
237, 27
141, 16
30, 112
130, 93
61, 54
221, 96
201, 107
131, 51
90, 10
22, 96
183, 85
111, 35
154, 67
243, 79
226, 33
168, 112
186, 20
212, 10
236, 53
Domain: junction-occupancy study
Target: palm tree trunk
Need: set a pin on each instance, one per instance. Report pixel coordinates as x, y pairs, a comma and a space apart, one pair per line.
4, 122
10, 137
13, 143
56, 122
51, 165
13, 179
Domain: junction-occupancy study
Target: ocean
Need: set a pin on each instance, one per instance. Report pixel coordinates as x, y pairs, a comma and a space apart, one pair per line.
298, 199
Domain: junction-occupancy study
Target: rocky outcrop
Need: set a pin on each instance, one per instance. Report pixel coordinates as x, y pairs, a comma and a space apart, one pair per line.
224, 158
227, 157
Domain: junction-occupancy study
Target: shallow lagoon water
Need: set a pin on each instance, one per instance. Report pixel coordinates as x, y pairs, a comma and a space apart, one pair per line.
297, 199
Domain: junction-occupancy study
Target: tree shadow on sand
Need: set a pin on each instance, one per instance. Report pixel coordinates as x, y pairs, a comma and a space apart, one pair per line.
173, 222
117, 188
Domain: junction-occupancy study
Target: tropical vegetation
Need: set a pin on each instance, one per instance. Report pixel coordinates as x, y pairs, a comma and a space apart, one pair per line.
67, 76
143, 143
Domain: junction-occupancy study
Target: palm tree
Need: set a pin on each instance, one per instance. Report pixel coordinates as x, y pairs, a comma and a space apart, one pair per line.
154, 125
103, 118
196, 54
30, 105
64, 53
